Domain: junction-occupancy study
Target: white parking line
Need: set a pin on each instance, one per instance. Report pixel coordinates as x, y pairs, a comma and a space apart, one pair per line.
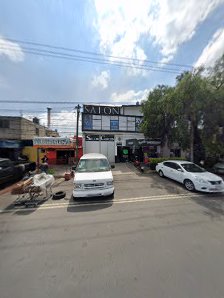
109, 202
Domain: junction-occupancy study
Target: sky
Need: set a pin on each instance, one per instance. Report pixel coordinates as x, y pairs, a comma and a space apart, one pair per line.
99, 51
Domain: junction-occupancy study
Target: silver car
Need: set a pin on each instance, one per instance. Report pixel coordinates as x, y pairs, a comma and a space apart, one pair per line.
219, 168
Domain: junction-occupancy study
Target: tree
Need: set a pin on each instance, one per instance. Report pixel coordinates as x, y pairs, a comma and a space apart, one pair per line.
157, 119
189, 102
191, 113
213, 121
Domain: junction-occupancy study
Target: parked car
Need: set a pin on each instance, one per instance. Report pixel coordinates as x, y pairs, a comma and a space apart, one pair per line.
218, 168
10, 171
192, 176
93, 177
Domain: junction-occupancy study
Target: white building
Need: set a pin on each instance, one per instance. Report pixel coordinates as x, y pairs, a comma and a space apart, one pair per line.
106, 128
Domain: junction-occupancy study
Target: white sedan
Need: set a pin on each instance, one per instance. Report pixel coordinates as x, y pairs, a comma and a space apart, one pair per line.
192, 176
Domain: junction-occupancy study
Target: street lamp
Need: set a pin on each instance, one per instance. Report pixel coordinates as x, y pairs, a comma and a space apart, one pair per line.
78, 107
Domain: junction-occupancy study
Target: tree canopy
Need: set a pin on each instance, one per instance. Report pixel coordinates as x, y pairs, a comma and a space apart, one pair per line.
190, 113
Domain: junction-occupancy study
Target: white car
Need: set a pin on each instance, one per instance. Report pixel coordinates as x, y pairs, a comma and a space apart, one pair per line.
93, 177
192, 176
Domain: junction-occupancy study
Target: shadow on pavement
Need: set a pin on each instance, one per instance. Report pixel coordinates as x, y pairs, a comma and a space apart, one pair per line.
169, 185
22, 208
214, 203
89, 204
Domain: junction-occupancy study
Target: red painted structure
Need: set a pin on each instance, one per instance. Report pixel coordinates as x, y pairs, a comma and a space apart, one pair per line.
60, 153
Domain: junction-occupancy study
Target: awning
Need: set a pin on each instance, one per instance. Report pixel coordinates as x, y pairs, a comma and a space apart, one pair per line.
10, 144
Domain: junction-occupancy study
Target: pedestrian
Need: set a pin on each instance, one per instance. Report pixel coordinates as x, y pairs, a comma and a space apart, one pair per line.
44, 159
44, 165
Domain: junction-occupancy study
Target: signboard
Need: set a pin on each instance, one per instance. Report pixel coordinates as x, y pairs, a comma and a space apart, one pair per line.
142, 142
145, 142
101, 110
107, 138
103, 138
51, 141
92, 137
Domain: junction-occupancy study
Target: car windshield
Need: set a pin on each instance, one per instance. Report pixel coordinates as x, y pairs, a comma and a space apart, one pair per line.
93, 165
191, 167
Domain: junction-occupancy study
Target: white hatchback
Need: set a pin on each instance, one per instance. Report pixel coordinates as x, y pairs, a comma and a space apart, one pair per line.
93, 177
192, 176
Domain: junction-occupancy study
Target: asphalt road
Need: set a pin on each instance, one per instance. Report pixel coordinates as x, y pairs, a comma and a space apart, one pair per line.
154, 240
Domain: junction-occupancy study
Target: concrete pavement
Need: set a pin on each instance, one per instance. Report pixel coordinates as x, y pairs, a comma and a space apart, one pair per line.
154, 240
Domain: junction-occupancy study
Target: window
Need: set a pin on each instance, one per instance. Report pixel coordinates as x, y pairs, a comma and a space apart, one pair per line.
37, 131
4, 123
192, 168
87, 122
176, 166
168, 164
93, 165
114, 125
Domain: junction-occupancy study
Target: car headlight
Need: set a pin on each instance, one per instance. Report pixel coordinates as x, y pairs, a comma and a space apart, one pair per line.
77, 185
201, 180
109, 183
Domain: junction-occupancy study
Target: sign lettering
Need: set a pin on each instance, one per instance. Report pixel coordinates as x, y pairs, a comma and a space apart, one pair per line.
51, 141
101, 110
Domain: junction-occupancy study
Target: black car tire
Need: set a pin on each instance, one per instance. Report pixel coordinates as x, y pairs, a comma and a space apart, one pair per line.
59, 195
161, 174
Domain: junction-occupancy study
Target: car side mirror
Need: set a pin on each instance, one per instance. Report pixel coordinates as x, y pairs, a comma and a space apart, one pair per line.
112, 166
179, 170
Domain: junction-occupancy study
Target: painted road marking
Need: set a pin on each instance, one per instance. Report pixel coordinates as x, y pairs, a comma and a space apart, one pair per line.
109, 202
122, 173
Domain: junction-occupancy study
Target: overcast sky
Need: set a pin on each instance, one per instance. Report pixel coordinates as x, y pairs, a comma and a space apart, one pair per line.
186, 32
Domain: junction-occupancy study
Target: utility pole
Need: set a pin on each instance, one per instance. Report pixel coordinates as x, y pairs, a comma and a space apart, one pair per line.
78, 107
49, 117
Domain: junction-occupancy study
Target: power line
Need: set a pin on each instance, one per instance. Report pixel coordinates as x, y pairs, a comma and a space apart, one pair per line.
93, 60
95, 53
35, 111
112, 103
38, 102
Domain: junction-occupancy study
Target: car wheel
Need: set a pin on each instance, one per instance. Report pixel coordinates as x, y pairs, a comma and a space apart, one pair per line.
161, 173
189, 185
59, 195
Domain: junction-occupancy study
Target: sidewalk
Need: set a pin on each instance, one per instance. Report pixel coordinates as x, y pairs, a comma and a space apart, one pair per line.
59, 170
7, 198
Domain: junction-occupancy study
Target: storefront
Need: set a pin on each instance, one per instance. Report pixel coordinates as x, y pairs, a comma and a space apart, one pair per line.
58, 150
143, 149
106, 129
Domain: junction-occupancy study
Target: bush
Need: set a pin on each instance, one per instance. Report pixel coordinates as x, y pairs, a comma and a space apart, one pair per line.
154, 161
51, 171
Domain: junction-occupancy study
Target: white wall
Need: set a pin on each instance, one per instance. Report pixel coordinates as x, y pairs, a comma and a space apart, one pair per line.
132, 110
104, 147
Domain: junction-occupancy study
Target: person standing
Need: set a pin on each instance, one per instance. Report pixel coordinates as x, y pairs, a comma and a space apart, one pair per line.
44, 165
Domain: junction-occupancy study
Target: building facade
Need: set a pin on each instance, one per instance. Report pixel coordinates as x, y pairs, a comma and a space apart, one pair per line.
106, 129
59, 150
16, 135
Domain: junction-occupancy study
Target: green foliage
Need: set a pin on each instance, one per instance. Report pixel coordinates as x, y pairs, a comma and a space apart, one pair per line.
157, 119
51, 171
191, 113
154, 161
